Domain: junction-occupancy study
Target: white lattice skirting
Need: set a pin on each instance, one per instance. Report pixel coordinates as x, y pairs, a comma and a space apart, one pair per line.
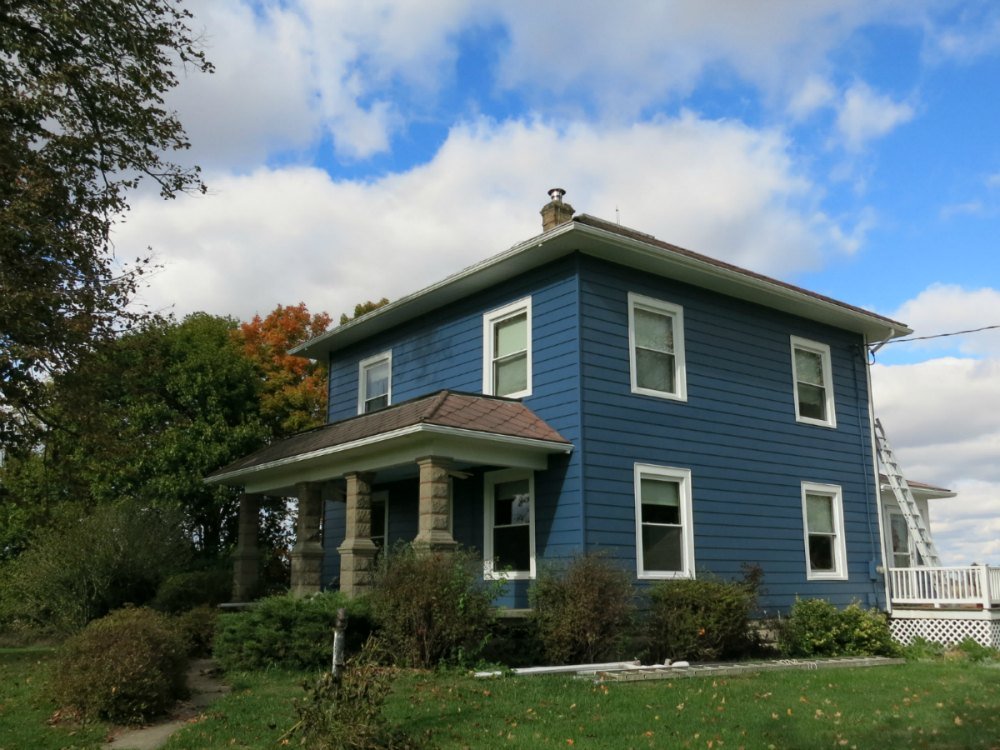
947, 631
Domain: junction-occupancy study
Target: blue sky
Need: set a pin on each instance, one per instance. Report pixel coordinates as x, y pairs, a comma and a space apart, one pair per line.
360, 150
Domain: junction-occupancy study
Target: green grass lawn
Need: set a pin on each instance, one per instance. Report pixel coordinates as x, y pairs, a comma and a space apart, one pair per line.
24, 711
932, 705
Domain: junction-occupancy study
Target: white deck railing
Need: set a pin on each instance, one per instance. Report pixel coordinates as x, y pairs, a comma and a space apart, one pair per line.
976, 585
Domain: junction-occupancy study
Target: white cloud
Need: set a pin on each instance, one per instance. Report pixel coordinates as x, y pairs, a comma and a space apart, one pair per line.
940, 416
290, 72
284, 235
638, 52
865, 115
814, 94
948, 308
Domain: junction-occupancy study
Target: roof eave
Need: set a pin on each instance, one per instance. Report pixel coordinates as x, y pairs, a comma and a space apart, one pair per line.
391, 449
646, 255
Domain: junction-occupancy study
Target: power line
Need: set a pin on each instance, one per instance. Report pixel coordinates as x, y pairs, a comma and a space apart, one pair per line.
939, 335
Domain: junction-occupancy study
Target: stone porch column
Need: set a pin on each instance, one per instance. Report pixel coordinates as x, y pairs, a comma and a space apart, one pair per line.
357, 553
435, 506
307, 554
246, 558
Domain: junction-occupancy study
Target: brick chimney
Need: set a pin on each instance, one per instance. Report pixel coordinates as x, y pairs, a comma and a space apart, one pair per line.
555, 212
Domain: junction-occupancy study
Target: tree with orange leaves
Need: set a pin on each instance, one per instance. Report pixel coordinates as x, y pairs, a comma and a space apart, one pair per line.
293, 392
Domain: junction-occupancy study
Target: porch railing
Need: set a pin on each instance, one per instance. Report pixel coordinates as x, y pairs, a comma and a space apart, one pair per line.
973, 586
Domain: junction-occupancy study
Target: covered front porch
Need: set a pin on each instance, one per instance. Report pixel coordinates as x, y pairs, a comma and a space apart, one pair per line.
429, 442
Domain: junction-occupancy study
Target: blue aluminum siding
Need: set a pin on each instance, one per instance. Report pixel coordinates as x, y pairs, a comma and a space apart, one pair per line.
736, 432
445, 350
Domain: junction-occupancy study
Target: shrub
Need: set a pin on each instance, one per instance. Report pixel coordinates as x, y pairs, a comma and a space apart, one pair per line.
815, 627
972, 650
432, 608
125, 668
513, 642
183, 591
90, 565
921, 649
582, 611
289, 632
701, 619
198, 628
346, 711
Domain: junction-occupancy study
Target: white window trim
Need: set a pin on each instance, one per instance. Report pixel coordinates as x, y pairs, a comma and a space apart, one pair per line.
490, 319
364, 365
683, 476
491, 479
824, 351
840, 544
676, 313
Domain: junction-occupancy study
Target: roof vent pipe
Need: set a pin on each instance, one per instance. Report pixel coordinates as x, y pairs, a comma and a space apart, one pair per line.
555, 212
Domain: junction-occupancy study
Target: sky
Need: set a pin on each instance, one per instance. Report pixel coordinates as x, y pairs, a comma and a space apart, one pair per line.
360, 150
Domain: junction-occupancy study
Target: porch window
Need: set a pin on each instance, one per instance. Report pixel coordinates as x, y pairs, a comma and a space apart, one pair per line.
507, 350
509, 534
375, 382
900, 535
822, 509
664, 534
380, 518
656, 347
813, 383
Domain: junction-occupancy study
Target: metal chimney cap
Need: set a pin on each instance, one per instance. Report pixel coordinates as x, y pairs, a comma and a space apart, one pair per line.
556, 194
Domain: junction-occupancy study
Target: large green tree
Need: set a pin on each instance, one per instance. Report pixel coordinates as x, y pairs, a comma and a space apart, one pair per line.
82, 122
145, 417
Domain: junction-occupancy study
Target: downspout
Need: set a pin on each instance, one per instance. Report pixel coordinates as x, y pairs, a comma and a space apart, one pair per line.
878, 485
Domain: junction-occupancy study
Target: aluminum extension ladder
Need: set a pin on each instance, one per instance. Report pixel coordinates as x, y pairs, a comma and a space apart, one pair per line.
907, 504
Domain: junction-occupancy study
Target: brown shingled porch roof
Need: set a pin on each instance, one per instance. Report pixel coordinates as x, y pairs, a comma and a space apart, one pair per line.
469, 428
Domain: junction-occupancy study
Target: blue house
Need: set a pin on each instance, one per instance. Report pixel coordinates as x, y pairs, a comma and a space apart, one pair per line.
592, 388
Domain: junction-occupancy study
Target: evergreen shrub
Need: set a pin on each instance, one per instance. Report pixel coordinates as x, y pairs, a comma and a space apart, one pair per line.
183, 591
127, 667
197, 625
583, 611
702, 619
288, 632
815, 627
432, 608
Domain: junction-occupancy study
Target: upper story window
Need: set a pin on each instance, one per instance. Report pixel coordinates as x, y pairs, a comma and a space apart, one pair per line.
823, 521
656, 347
664, 529
375, 382
813, 383
509, 534
507, 350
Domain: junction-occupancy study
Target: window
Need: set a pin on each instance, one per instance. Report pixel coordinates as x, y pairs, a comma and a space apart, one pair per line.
380, 518
900, 534
813, 383
656, 347
507, 350
664, 533
822, 510
509, 535
375, 382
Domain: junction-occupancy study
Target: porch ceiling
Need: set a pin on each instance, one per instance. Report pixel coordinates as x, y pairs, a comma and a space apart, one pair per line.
471, 430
